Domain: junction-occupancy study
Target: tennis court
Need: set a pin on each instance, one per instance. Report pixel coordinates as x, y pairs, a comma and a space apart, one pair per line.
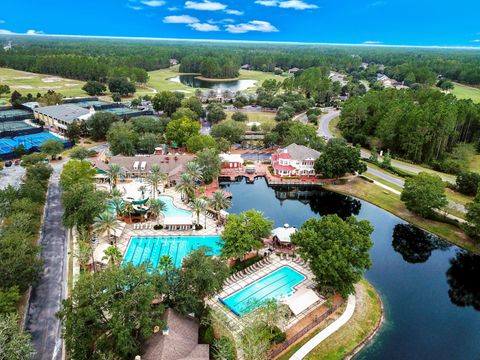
120, 111
28, 141
14, 113
89, 103
14, 126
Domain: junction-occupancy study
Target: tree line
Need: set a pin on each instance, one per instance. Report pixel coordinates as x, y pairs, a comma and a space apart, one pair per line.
423, 126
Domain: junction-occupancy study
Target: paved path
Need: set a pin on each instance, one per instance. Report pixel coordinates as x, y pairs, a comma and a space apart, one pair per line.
325, 120
325, 333
46, 296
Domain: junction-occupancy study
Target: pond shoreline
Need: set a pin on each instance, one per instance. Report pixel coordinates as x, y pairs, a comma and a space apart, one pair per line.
459, 238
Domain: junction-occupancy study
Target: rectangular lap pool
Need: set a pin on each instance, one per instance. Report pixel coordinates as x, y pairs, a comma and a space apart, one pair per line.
276, 285
151, 249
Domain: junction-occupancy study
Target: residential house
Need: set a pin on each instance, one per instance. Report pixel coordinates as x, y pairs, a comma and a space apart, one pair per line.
294, 160
231, 161
177, 341
293, 70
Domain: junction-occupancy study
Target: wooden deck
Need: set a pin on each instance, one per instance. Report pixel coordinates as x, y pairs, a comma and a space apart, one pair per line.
261, 170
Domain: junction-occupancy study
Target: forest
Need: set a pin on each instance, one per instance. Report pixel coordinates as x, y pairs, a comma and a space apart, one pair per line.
423, 125
99, 59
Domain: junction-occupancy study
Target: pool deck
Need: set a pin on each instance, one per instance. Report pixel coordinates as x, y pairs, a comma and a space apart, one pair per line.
128, 232
234, 322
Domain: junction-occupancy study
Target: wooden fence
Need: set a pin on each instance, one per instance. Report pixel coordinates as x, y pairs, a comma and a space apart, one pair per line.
277, 350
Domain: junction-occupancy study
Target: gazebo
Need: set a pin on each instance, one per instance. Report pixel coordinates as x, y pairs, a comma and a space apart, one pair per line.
281, 237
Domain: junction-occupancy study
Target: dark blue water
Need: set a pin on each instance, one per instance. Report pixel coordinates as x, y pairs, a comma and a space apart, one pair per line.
219, 86
430, 289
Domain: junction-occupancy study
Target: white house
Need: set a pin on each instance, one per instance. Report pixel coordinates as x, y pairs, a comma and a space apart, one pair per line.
294, 160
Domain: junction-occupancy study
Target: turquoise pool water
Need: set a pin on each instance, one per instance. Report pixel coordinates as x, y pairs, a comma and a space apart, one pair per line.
172, 210
150, 249
276, 285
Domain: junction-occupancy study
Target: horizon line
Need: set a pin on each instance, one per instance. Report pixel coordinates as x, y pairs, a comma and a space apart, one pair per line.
365, 44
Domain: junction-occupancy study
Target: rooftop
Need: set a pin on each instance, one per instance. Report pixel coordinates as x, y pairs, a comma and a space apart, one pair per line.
181, 343
300, 152
66, 112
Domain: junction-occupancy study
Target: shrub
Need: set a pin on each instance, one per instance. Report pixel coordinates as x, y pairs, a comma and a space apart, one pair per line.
277, 335
239, 266
223, 348
157, 227
198, 227
467, 182
206, 334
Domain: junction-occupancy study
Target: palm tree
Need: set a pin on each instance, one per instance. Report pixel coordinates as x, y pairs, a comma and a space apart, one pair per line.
219, 201
113, 172
83, 251
194, 170
113, 255
157, 207
186, 187
155, 179
118, 204
129, 209
116, 193
198, 206
142, 189
105, 223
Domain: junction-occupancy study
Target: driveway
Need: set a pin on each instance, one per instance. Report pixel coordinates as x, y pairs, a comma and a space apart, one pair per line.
48, 293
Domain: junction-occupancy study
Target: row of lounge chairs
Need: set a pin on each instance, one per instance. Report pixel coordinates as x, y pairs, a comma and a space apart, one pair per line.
299, 261
142, 226
247, 271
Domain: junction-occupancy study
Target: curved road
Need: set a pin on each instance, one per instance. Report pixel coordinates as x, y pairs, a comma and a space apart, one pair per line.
47, 294
324, 131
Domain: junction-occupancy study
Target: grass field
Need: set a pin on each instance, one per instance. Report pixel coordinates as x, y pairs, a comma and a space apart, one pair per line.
466, 92
25, 82
368, 312
391, 202
159, 79
257, 116
475, 164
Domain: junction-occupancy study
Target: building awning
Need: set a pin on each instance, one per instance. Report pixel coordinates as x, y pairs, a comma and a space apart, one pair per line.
301, 300
279, 167
177, 220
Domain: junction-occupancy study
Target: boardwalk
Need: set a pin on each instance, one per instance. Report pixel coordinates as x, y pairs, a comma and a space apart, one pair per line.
47, 294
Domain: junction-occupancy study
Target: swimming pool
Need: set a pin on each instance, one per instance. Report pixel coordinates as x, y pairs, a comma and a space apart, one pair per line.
276, 285
172, 210
151, 249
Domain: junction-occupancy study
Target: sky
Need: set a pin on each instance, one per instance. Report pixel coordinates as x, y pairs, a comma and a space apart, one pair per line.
381, 22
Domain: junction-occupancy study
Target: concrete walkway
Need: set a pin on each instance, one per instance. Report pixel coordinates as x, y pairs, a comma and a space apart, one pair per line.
325, 333
48, 293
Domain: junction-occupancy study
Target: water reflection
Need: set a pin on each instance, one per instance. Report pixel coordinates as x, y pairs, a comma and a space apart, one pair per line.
414, 244
321, 202
219, 86
464, 280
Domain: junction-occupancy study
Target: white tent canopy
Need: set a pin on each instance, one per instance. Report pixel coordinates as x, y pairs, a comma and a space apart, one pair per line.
301, 300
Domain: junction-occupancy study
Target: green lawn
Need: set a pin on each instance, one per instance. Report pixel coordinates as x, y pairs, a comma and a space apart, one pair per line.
333, 127
475, 164
25, 82
380, 197
159, 79
257, 116
368, 312
466, 92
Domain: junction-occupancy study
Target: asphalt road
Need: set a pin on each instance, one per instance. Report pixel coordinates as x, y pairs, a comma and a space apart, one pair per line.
48, 293
323, 130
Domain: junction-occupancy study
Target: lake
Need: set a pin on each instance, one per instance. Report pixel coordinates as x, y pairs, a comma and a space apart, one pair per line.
218, 86
430, 289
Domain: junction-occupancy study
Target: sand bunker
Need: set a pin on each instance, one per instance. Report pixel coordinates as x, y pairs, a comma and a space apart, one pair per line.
22, 87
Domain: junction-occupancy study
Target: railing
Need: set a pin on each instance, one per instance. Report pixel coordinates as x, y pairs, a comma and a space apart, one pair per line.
292, 340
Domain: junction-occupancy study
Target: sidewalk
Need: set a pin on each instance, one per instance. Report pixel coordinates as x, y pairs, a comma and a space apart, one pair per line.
325, 333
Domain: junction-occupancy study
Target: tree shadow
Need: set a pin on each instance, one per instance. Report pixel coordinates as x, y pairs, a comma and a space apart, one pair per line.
415, 245
463, 277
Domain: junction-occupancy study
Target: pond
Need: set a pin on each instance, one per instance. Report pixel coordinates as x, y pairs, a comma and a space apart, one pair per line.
218, 86
430, 289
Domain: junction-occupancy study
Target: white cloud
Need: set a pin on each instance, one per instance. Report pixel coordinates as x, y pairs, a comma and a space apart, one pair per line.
204, 27
5, 32
205, 5
234, 12
254, 25
173, 8
370, 42
153, 3
222, 21
33, 32
180, 19
267, 2
377, 3
288, 4
476, 41
133, 7
2, 21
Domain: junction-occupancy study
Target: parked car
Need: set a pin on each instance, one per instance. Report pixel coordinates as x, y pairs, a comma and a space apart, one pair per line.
8, 163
